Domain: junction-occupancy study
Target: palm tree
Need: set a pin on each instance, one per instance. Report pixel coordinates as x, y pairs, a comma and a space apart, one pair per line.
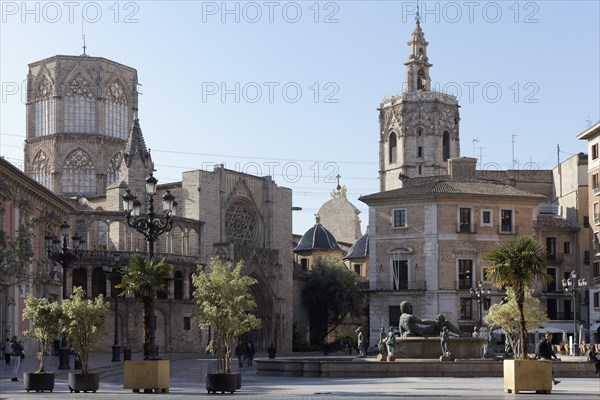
145, 278
517, 264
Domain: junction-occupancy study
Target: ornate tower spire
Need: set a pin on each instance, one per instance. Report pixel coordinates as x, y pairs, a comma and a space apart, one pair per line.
417, 66
136, 146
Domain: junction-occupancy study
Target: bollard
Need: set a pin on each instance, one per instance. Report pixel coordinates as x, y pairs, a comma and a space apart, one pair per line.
126, 353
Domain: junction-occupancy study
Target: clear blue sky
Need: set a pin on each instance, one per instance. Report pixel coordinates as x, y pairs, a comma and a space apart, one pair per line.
529, 69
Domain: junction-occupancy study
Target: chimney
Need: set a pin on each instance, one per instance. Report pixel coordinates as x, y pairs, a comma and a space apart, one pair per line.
462, 168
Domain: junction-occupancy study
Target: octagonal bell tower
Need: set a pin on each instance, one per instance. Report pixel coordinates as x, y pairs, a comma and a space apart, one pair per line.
419, 128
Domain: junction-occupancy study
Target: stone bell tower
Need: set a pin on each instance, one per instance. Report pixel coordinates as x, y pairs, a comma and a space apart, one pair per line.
418, 128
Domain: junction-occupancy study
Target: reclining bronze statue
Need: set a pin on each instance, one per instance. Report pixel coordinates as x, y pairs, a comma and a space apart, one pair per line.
411, 326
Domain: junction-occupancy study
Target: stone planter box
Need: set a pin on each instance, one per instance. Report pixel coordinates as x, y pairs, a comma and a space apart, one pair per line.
527, 375
147, 375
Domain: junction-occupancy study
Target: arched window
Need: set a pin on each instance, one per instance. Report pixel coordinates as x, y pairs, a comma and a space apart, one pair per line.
392, 148
44, 109
446, 145
419, 132
420, 79
40, 169
115, 122
78, 174
102, 235
98, 282
80, 278
112, 173
178, 285
240, 224
80, 107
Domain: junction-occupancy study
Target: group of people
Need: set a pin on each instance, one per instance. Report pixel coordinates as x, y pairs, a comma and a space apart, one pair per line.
13, 354
245, 353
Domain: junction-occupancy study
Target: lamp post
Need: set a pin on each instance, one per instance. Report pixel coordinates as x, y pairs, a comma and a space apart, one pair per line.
481, 295
113, 274
151, 226
571, 287
65, 256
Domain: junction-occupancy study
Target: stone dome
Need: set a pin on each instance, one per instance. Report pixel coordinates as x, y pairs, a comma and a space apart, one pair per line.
340, 216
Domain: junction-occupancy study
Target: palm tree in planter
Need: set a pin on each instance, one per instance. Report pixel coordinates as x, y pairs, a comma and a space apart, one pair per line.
518, 264
83, 322
145, 278
45, 316
223, 301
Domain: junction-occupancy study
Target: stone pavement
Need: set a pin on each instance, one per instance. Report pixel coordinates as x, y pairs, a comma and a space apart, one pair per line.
187, 381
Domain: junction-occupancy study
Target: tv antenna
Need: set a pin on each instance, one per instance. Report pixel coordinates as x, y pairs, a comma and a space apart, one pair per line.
476, 140
513, 150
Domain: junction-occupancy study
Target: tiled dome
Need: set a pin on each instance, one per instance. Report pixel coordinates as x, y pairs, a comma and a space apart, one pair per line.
360, 248
317, 238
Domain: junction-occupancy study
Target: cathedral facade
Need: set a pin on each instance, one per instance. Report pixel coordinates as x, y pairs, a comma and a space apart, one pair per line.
85, 143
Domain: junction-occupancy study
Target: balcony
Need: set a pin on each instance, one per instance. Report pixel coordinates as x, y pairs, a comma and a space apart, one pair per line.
410, 286
465, 228
507, 230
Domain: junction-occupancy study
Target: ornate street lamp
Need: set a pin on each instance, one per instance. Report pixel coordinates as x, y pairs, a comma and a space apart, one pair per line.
65, 256
571, 287
151, 226
480, 295
113, 275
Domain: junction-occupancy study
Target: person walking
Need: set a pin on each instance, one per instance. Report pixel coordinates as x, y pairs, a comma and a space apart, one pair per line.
7, 351
250, 351
544, 351
15, 358
239, 352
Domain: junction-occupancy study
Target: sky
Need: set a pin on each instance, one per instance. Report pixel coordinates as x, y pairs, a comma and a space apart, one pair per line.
291, 88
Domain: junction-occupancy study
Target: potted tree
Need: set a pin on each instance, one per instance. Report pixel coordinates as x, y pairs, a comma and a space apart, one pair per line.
145, 278
45, 316
517, 264
223, 301
83, 322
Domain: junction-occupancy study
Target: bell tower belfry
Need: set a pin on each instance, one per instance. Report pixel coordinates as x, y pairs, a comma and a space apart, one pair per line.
417, 66
419, 128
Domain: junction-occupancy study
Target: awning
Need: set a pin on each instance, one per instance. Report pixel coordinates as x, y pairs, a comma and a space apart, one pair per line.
556, 327
548, 329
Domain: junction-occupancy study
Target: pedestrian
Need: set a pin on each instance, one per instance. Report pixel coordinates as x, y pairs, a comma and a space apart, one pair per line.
594, 357
239, 352
7, 351
272, 351
250, 351
544, 351
15, 358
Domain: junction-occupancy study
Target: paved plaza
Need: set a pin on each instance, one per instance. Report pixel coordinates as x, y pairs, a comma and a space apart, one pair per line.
187, 381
